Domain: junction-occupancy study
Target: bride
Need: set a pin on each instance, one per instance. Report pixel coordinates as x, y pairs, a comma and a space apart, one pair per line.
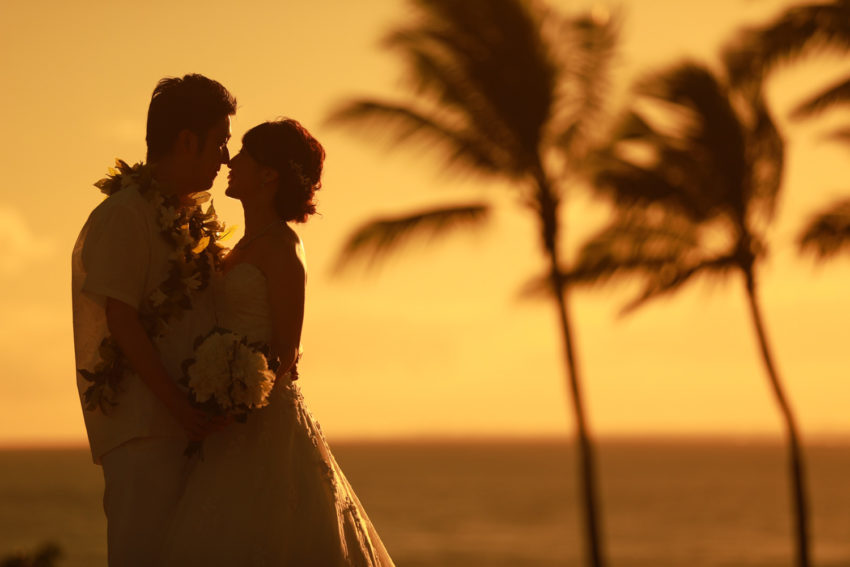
269, 491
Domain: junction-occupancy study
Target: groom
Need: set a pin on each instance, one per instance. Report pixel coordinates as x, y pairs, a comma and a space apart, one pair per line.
120, 262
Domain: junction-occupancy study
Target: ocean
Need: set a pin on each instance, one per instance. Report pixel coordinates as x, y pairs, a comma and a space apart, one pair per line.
665, 503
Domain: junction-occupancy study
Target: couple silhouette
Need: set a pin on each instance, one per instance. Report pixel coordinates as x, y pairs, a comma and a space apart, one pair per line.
150, 281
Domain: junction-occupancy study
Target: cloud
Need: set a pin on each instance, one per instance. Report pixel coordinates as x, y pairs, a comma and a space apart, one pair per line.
21, 246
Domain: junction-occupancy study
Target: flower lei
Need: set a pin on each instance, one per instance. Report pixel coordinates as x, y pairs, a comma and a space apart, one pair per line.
192, 234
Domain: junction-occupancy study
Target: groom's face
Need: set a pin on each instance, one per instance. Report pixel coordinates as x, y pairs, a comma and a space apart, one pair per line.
211, 155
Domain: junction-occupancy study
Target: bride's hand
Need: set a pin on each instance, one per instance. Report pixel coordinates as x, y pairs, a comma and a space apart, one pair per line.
195, 422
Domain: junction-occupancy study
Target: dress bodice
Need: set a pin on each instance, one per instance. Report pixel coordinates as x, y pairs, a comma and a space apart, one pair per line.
242, 302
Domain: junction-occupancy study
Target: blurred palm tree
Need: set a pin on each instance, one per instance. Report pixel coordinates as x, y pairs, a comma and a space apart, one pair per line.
45, 556
511, 91
695, 168
797, 32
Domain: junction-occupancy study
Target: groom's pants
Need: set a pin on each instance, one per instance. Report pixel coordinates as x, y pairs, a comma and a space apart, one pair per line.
144, 478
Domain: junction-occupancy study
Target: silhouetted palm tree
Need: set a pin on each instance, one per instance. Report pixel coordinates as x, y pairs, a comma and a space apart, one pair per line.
509, 90
797, 32
695, 168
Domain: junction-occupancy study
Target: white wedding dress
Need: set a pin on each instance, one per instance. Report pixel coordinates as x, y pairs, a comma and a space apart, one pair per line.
268, 492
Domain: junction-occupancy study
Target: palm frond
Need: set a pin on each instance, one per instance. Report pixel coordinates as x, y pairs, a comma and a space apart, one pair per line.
435, 76
797, 31
765, 158
589, 48
430, 71
497, 48
666, 282
827, 233
718, 153
662, 250
841, 135
464, 150
377, 239
632, 125
671, 177
717, 134
835, 95
637, 242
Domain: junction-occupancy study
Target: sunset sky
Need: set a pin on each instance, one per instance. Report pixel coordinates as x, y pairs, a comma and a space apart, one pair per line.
436, 343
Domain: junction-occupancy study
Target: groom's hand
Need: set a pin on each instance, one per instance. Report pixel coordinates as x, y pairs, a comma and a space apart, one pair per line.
197, 423
217, 423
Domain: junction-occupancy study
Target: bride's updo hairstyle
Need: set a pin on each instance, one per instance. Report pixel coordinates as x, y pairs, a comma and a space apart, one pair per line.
288, 148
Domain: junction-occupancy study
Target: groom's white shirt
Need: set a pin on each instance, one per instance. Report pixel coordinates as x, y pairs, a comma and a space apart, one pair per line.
121, 254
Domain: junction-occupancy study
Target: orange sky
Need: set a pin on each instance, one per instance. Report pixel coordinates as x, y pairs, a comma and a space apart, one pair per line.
435, 343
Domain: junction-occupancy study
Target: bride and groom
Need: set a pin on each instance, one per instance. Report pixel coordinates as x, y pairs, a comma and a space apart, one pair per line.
149, 279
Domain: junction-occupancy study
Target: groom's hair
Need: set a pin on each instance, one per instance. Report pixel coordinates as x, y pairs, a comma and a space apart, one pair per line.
193, 103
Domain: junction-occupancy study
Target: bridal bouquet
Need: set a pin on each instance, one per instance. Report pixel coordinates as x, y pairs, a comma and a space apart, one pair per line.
228, 375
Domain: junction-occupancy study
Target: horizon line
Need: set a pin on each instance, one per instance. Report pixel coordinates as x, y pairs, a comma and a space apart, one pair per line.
414, 439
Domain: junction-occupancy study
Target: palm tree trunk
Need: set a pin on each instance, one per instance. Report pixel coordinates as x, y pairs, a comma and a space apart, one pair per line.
801, 515
587, 463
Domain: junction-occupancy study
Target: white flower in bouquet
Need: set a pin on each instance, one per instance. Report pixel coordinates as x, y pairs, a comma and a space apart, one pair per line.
252, 378
209, 375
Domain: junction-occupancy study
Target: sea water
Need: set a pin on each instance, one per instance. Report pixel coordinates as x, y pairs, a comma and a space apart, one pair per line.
683, 503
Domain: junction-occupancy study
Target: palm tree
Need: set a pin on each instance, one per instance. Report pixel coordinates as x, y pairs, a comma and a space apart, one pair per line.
508, 98
797, 32
695, 168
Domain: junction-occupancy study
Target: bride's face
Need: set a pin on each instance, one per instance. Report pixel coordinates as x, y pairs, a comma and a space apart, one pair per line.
247, 177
